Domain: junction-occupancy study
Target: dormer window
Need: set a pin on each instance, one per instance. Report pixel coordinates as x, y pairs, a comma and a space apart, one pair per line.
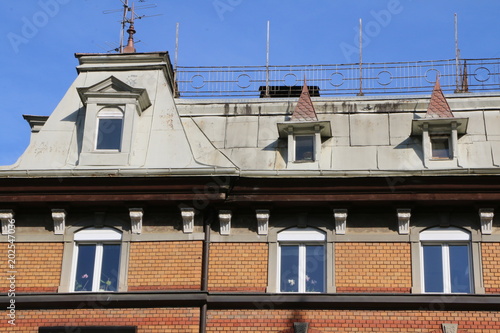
111, 109
304, 148
303, 133
109, 129
439, 130
440, 147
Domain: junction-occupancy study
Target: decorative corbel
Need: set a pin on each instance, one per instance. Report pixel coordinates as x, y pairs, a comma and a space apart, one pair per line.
449, 328
300, 327
262, 221
486, 215
225, 222
187, 214
6, 216
136, 215
59, 218
340, 221
404, 216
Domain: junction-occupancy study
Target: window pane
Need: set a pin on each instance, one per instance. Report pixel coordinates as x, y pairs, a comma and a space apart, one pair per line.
289, 268
459, 269
109, 134
110, 265
433, 268
440, 147
315, 268
85, 267
304, 148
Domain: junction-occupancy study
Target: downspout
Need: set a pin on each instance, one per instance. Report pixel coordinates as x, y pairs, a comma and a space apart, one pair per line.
204, 271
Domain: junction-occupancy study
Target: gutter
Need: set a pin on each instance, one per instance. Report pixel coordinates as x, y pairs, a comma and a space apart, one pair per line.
204, 271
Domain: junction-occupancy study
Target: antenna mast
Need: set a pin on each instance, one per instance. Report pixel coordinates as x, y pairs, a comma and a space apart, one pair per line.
126, 9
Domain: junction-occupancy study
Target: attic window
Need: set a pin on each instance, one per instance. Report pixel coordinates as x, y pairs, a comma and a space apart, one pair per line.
304, 148
109, 129
440, 147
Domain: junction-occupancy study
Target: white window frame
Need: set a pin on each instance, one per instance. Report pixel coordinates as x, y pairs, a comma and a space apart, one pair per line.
109, 113
301, 237
445, 237
98, 237
313, 139
450, 146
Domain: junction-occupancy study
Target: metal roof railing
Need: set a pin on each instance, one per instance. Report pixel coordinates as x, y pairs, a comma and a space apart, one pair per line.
470, 75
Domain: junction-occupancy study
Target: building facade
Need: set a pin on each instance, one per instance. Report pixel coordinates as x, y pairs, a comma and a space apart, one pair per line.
134, 210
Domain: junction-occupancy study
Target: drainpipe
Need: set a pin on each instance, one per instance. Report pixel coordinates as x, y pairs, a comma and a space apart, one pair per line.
204, 271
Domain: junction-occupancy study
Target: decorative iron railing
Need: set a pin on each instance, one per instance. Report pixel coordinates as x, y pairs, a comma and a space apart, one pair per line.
467, 75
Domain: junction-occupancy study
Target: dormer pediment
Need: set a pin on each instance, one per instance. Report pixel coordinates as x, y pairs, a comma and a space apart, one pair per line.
113, 89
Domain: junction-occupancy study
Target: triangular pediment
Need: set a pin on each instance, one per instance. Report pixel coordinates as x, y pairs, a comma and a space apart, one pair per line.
115, 88
111, 84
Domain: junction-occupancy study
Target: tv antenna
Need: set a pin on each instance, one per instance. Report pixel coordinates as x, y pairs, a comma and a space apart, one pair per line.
130, 20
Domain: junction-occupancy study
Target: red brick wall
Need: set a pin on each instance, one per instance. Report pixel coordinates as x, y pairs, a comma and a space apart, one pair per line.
38, 267
165, 265
491, 267
352, 321
238, 267
373, 267
147, 320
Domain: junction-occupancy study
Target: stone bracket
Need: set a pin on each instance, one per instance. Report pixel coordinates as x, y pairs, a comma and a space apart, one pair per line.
340, 221
59, 218
300, 327
449, 328
187, 214
404, 216
486, 215
6, 215
262, 221
136, 215
225, 222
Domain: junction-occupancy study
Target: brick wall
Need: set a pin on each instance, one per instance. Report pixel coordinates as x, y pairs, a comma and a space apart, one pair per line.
280, 321
154, 320
165, 265
373, 267
238, 267
38, 267
491, 267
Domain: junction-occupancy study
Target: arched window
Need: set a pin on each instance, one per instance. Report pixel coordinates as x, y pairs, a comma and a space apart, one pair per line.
301, 260
109, 129
96, 260
446, 260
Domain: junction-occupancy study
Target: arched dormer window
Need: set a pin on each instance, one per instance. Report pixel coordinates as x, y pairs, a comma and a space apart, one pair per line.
96, 261
109, 129
301, 260
446, 260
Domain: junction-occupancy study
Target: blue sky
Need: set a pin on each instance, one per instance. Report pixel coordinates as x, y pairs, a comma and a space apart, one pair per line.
40, 37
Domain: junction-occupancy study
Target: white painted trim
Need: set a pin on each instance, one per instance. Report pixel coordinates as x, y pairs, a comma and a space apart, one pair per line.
98, 234
445, 234
302, 235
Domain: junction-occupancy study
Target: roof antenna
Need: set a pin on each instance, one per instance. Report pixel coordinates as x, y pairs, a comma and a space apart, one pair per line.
130, 21
130, 48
